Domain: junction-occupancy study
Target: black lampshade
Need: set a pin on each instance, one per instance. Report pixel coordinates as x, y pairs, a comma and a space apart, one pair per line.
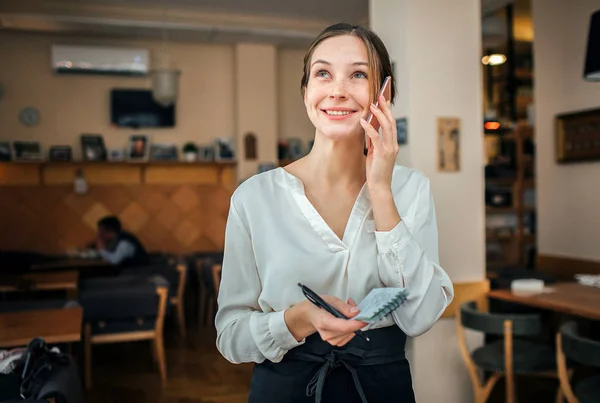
592, 56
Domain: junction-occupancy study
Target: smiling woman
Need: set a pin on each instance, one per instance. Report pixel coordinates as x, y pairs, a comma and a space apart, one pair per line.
343, 224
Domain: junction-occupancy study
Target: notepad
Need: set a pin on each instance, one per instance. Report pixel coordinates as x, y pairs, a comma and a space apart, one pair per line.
380, 303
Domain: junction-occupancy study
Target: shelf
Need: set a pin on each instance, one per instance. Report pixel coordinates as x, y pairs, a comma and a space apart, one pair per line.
121, 172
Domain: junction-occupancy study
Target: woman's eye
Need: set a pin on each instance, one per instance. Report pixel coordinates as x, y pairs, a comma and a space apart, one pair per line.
360, 74
322, 73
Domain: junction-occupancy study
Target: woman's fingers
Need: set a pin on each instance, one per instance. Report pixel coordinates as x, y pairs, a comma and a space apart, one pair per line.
371, 133
383, 112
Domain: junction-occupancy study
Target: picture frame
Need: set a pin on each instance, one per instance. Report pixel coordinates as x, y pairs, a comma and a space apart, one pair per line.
402, 131
27, 151
163, 152
206, 153
6, 152
60, 153
448, 144
224, 149
92, 147
138, 149
578, 136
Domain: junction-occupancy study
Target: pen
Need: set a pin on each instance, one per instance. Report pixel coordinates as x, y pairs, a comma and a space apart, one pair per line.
318, 301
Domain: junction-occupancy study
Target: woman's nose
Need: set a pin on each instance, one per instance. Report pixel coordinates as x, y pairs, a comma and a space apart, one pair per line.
338, 90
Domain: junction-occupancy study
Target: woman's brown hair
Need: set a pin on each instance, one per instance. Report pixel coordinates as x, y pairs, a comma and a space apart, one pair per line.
380, 65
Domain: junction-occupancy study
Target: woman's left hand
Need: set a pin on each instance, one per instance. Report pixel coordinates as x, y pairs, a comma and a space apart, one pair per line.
382, 153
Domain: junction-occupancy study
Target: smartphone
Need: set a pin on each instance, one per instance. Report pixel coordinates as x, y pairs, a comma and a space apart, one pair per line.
386, 91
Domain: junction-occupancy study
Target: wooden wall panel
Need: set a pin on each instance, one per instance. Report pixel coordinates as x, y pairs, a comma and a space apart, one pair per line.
178, 217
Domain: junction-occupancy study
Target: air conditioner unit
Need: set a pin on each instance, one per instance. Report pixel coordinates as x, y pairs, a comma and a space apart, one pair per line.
100, 60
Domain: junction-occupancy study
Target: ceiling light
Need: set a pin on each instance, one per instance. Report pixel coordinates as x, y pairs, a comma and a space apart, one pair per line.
493, 59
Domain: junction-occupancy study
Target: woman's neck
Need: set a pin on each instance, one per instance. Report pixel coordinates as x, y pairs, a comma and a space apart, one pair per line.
336, 163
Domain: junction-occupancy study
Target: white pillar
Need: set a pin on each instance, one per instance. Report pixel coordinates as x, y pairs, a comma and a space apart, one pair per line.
436, 48
255, 103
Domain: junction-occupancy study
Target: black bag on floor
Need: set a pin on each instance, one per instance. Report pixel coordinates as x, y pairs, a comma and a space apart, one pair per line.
47, 374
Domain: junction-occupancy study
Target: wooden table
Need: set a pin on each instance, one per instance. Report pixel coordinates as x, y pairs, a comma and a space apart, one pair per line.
69, 263
53, 325
571, 298
62, 280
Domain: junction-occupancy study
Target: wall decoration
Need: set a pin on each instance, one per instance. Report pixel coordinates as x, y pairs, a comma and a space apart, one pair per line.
448, 144
224, 149
27, 151
139, 148
578, 136
250, 147
92, 147
163, 152
206, 153
29, 116
116, 154
401, 130
5, 151
60, 153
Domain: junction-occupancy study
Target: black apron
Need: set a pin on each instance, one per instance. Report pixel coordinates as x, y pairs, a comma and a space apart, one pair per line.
362, 371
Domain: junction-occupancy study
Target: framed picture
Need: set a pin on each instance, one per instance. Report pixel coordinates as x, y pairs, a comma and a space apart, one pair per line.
224, 149
578, 136
139, 148
206, 153
92, 147
448, 143
163, 152
5, 151
27, 151
60, 153
401, 130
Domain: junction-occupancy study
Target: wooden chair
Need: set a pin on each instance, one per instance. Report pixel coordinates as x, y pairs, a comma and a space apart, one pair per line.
506, 357
176, 274
570, 345
209, 277
122, 328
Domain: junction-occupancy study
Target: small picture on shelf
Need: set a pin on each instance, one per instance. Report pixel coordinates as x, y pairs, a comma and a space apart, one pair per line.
163, 152
27, 151
5, 151
139, 147
92, 147
224, 149
60, 153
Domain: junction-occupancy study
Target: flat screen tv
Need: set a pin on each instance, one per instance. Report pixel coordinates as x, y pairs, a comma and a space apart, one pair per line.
135, 108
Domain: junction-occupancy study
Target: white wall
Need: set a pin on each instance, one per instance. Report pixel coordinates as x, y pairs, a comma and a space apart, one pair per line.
436, 47
293, 120
568, 196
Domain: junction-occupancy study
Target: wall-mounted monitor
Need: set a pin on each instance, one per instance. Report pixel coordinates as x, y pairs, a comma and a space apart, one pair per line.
135, 108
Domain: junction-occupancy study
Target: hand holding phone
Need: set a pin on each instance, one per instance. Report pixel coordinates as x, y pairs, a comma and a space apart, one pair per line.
386, 91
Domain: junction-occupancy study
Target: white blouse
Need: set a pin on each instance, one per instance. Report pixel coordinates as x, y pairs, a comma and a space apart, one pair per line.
276, 239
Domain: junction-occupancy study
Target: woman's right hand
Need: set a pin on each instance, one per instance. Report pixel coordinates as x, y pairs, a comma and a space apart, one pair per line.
305, 319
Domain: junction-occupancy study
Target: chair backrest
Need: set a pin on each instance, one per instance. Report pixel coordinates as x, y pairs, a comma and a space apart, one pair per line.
492, 323
578, 348
136, 300
468, 291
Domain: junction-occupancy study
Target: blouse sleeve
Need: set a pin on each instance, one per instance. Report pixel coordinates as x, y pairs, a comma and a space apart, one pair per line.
244, 332
409, 258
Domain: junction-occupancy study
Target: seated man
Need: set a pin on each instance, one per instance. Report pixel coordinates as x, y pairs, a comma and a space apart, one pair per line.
117, 246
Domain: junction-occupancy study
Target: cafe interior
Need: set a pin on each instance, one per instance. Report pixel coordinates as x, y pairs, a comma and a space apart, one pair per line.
139, 119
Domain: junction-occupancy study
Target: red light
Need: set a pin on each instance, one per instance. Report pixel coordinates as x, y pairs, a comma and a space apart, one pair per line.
491, 125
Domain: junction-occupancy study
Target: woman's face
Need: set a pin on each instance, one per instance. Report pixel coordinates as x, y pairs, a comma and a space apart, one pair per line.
337, 92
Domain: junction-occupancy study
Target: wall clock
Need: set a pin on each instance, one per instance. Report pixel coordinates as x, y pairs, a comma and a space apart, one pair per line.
29, 116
